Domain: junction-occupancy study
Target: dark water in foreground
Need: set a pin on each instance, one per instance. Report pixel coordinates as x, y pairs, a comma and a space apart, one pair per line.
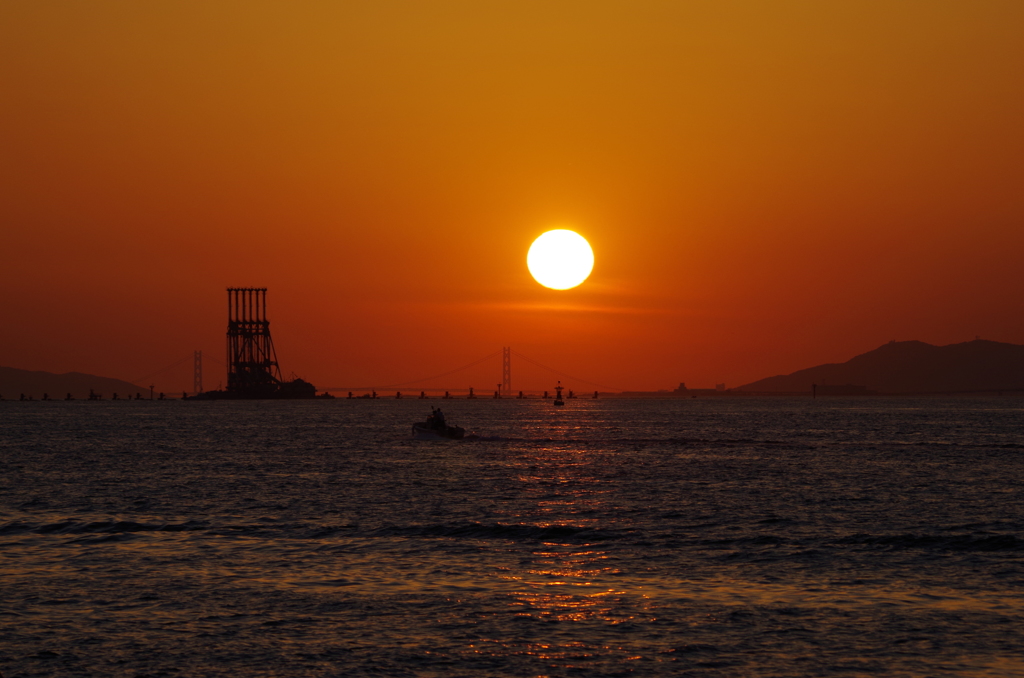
836, 537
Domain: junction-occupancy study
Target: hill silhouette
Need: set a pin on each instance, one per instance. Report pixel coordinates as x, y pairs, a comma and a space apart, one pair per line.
914, 367
14, 382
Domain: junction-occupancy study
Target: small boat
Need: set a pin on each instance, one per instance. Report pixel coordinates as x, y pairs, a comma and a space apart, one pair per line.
435, 428
558, 395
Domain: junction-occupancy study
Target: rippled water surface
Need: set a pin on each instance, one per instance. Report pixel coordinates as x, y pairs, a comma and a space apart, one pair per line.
732, 537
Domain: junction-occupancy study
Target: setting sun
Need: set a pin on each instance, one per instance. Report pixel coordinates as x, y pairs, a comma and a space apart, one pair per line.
560, 259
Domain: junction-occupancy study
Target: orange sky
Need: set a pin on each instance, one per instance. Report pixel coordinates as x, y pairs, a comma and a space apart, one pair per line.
766, 186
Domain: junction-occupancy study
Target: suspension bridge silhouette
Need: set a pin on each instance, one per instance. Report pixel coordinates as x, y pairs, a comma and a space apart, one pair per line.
426, 383
506, 355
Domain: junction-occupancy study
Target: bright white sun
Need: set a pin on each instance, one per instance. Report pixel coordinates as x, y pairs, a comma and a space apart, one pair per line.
560, 259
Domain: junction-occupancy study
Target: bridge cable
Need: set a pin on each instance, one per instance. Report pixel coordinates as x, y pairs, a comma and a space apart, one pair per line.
414, 381
161, 371
563, 374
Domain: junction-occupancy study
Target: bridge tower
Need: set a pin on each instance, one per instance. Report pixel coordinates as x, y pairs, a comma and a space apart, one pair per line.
252, 361
197, 372
506, 370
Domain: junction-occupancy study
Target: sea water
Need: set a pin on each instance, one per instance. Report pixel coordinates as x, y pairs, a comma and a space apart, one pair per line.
707, 537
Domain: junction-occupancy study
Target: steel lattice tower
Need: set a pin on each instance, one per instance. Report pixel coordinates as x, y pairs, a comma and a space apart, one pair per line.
252, 362
197, 373
506, 370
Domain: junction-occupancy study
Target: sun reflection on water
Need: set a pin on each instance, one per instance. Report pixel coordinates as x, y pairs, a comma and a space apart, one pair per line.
566, 582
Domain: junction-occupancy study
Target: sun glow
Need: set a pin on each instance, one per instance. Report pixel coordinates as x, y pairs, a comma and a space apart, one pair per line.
560, 259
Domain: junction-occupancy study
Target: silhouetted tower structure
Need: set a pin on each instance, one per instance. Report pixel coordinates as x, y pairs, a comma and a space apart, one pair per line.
197, 373
506, 370
252, 362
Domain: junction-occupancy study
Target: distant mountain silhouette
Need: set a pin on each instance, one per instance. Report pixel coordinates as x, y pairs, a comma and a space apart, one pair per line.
914, 367
14, 382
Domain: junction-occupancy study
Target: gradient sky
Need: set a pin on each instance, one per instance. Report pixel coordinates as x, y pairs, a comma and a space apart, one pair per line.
766, 186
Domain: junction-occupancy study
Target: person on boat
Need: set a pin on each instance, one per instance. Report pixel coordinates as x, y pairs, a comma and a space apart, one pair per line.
439, 423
